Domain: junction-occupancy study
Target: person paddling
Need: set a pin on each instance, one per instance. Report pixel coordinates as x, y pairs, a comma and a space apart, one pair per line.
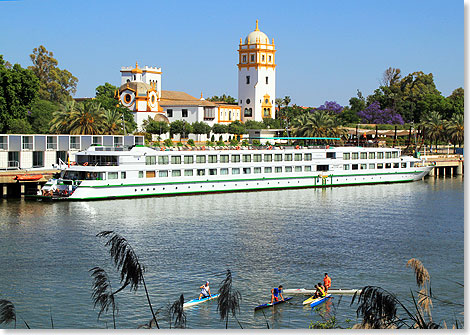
326, 282
276, 293
205, 291
320, 292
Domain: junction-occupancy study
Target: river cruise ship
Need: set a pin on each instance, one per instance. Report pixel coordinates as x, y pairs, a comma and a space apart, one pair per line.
109, 173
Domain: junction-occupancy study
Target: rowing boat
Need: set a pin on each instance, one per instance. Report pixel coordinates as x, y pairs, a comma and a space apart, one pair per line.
270, 305
316, 301
330, 291
28, 177
199, 301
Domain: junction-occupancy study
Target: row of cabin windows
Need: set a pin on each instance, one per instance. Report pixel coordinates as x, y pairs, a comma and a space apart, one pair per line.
245, 158
371, 155
225, 171
373, 166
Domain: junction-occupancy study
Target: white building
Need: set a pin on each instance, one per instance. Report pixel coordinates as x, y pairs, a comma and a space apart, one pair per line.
256, 77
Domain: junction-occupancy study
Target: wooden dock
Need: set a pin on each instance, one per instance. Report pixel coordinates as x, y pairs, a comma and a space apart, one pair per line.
11, 188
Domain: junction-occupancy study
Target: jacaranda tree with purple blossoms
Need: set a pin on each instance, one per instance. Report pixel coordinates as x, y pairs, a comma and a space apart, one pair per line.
331, 106
373, 114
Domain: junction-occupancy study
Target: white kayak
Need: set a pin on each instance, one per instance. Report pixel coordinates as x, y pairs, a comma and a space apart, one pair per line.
312, 291
199, 301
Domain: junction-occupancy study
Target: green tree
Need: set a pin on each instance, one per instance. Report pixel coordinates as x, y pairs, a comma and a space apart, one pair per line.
455, 129
433, 127
112, 123
87, 119
456, 103
200, 127
316, 124
19, 126
180, 127
105, 95
236, 128
60, 123
218, 128
271, 123
55, 84
155, 127
18, 91
251, 124
41, 115
225, 98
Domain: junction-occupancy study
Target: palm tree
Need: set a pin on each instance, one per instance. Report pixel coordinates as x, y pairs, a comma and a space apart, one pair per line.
287, 100
316, 124
102, 292
229, 300
8, 313
455, 129
433, 126
88, 119
177, 313
60, 123
112, 123
127, 262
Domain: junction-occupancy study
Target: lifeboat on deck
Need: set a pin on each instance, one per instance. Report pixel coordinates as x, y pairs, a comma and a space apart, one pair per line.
28, 177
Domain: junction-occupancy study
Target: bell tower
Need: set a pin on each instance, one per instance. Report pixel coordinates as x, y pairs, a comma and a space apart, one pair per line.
256, 76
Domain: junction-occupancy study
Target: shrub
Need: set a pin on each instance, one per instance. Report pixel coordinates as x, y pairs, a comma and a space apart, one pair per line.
191, 142
168, 142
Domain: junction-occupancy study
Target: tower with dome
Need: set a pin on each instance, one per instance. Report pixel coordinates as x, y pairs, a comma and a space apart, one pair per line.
256, 76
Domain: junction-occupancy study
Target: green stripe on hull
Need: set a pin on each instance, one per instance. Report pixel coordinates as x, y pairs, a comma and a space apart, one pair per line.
250, 179
239, 190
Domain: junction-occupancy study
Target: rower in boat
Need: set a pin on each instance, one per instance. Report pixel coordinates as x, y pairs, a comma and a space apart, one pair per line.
320, 292
205, 291
326, 282
276, 293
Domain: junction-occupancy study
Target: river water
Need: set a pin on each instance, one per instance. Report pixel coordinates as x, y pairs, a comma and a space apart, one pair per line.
360, 235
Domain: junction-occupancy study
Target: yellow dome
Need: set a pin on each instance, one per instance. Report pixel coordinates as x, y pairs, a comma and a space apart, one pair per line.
257, 36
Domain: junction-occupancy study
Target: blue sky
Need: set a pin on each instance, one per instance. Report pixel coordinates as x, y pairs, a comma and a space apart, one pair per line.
326, 50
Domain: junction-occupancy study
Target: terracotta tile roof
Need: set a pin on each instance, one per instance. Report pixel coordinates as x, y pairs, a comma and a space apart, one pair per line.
175, 98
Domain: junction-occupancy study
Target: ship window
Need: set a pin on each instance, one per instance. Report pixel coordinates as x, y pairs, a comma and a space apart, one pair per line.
176, 173
388, 165
323, 167
355, 155
257, 170
363, 166
380, 166
412, 164
371, 166
224, 158
200, 159
212, 159
163, 173
212, 172
380, 155
123, 175
403, 165
278, 169
141, 174
346, 155
201, 172
112, 175
175, 159
371, 155
150, 160
288, 168
278, 157
257, 158
268, 170
346, 167
395, 154
363, 155
331, 155
354, 167
246, 158
246, 170
298, 169
162, 160
307, 157
288, 157
188, 173
268, 157
298, 157
235, 158
396, 165
307, 168
235, 171
224, 171
188, 159
388, 155
149, 174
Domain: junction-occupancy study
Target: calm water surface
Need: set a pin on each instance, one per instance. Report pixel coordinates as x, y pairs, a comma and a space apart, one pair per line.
360, 235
